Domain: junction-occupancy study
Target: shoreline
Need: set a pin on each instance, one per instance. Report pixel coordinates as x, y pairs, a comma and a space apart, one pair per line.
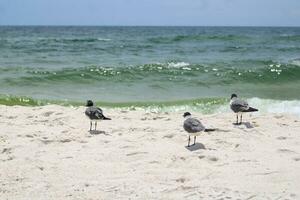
47, 153
209, 105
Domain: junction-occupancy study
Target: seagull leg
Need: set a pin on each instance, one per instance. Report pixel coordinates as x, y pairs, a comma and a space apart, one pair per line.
90, 125
189, 141
95, 125
194, 140
237, 118
241, 118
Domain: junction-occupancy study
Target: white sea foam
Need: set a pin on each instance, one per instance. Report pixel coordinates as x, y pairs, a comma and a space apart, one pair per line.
178, 64
296, 62
270, 106
103, 39
276, 106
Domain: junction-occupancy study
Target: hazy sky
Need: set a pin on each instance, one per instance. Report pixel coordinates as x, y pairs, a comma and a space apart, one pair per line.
151, 12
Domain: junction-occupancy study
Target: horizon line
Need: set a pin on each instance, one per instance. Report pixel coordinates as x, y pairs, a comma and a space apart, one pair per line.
78, 25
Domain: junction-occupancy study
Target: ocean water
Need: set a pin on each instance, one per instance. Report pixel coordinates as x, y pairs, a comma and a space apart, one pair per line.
174, 67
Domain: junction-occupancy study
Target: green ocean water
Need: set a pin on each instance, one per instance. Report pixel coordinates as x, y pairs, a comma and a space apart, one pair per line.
174, 67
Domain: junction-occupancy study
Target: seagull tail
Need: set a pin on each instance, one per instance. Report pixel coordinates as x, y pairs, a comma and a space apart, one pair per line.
106, 118
209, 129
251, 110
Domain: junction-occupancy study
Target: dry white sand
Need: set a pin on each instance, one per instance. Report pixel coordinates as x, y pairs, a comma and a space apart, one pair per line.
48, 153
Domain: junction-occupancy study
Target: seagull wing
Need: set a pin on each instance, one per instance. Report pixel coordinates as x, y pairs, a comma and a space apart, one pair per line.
193, 125
239, 105
99, 113
99, 109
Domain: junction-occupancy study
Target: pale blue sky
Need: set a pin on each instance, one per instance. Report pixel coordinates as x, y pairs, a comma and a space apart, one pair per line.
151, 12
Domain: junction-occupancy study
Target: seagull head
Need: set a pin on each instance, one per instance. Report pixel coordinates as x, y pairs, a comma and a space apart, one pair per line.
89, 103
233, 96
187, 114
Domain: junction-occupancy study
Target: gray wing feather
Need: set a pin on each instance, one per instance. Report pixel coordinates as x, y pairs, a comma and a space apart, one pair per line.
193, 125
239, 105
94, 113
99, 114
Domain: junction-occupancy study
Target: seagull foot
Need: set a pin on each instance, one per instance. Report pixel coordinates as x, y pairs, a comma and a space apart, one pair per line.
240, 123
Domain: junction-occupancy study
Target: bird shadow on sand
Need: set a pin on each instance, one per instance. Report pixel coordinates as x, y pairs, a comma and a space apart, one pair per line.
246, 124
96, 132
195, 147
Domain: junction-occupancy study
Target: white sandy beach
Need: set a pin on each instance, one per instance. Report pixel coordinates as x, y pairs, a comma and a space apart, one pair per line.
47, 153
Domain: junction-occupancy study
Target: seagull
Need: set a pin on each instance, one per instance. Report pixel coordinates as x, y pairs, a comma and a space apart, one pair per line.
94, 113
239, 106
193, 126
